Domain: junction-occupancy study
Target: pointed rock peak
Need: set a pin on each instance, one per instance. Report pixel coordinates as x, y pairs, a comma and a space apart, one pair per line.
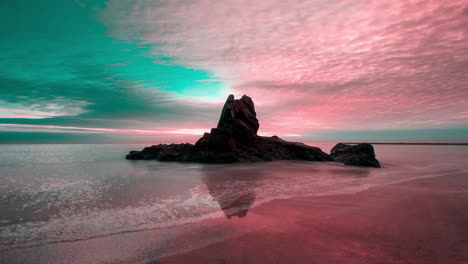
247, 101
239, 114
227, 106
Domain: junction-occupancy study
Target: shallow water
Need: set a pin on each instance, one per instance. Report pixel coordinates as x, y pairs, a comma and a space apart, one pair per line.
57, 193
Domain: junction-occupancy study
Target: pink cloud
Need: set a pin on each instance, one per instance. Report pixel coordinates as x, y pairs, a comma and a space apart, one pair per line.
317, 65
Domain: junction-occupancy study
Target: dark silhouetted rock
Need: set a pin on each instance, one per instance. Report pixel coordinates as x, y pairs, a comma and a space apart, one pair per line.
239, 117
358, 155
237, 127
162, 152
235, 139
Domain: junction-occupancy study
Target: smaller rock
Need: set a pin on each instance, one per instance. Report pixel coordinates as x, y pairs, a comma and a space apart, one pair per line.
358, 155
162, 152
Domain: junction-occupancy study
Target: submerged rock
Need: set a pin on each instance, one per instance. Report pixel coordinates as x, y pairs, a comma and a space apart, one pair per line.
235, 139
359, 155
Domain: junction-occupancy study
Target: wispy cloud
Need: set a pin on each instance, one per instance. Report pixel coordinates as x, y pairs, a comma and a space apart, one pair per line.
39, 109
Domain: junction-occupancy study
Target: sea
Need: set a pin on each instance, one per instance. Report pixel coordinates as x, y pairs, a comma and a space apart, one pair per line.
70, 192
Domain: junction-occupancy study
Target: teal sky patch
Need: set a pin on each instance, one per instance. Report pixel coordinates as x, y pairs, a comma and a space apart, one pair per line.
58, 60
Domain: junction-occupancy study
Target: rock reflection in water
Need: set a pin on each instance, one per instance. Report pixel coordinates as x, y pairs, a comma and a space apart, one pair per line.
232, 187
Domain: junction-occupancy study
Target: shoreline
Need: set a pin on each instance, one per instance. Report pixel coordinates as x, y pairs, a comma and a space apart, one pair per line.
399, 225
299, 229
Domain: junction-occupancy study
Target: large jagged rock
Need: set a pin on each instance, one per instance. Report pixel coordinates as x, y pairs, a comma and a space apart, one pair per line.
237, 127
359, 155
234, 139
239, 115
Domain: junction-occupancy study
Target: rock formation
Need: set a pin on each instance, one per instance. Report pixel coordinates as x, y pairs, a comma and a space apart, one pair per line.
359, 155
235, 139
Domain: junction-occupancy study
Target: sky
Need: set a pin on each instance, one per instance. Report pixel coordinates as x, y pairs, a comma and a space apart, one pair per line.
110, 71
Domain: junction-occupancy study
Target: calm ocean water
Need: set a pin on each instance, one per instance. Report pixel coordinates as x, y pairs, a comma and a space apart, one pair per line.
57, 193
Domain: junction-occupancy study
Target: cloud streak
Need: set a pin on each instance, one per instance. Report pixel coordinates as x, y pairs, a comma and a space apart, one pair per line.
174, 132
75, 129
42, 108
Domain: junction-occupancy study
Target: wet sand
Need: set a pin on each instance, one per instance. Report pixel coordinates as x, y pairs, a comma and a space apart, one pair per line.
422, 221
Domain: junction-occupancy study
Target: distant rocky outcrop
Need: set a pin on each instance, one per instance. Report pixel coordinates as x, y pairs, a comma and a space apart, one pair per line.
235, 139
359, 155
162, 152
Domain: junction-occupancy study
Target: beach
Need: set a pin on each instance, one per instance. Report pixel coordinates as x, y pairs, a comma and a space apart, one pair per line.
423, 221
419, 221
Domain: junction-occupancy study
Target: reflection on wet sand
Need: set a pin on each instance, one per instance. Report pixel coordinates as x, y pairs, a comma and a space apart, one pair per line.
357, 173
233, 188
